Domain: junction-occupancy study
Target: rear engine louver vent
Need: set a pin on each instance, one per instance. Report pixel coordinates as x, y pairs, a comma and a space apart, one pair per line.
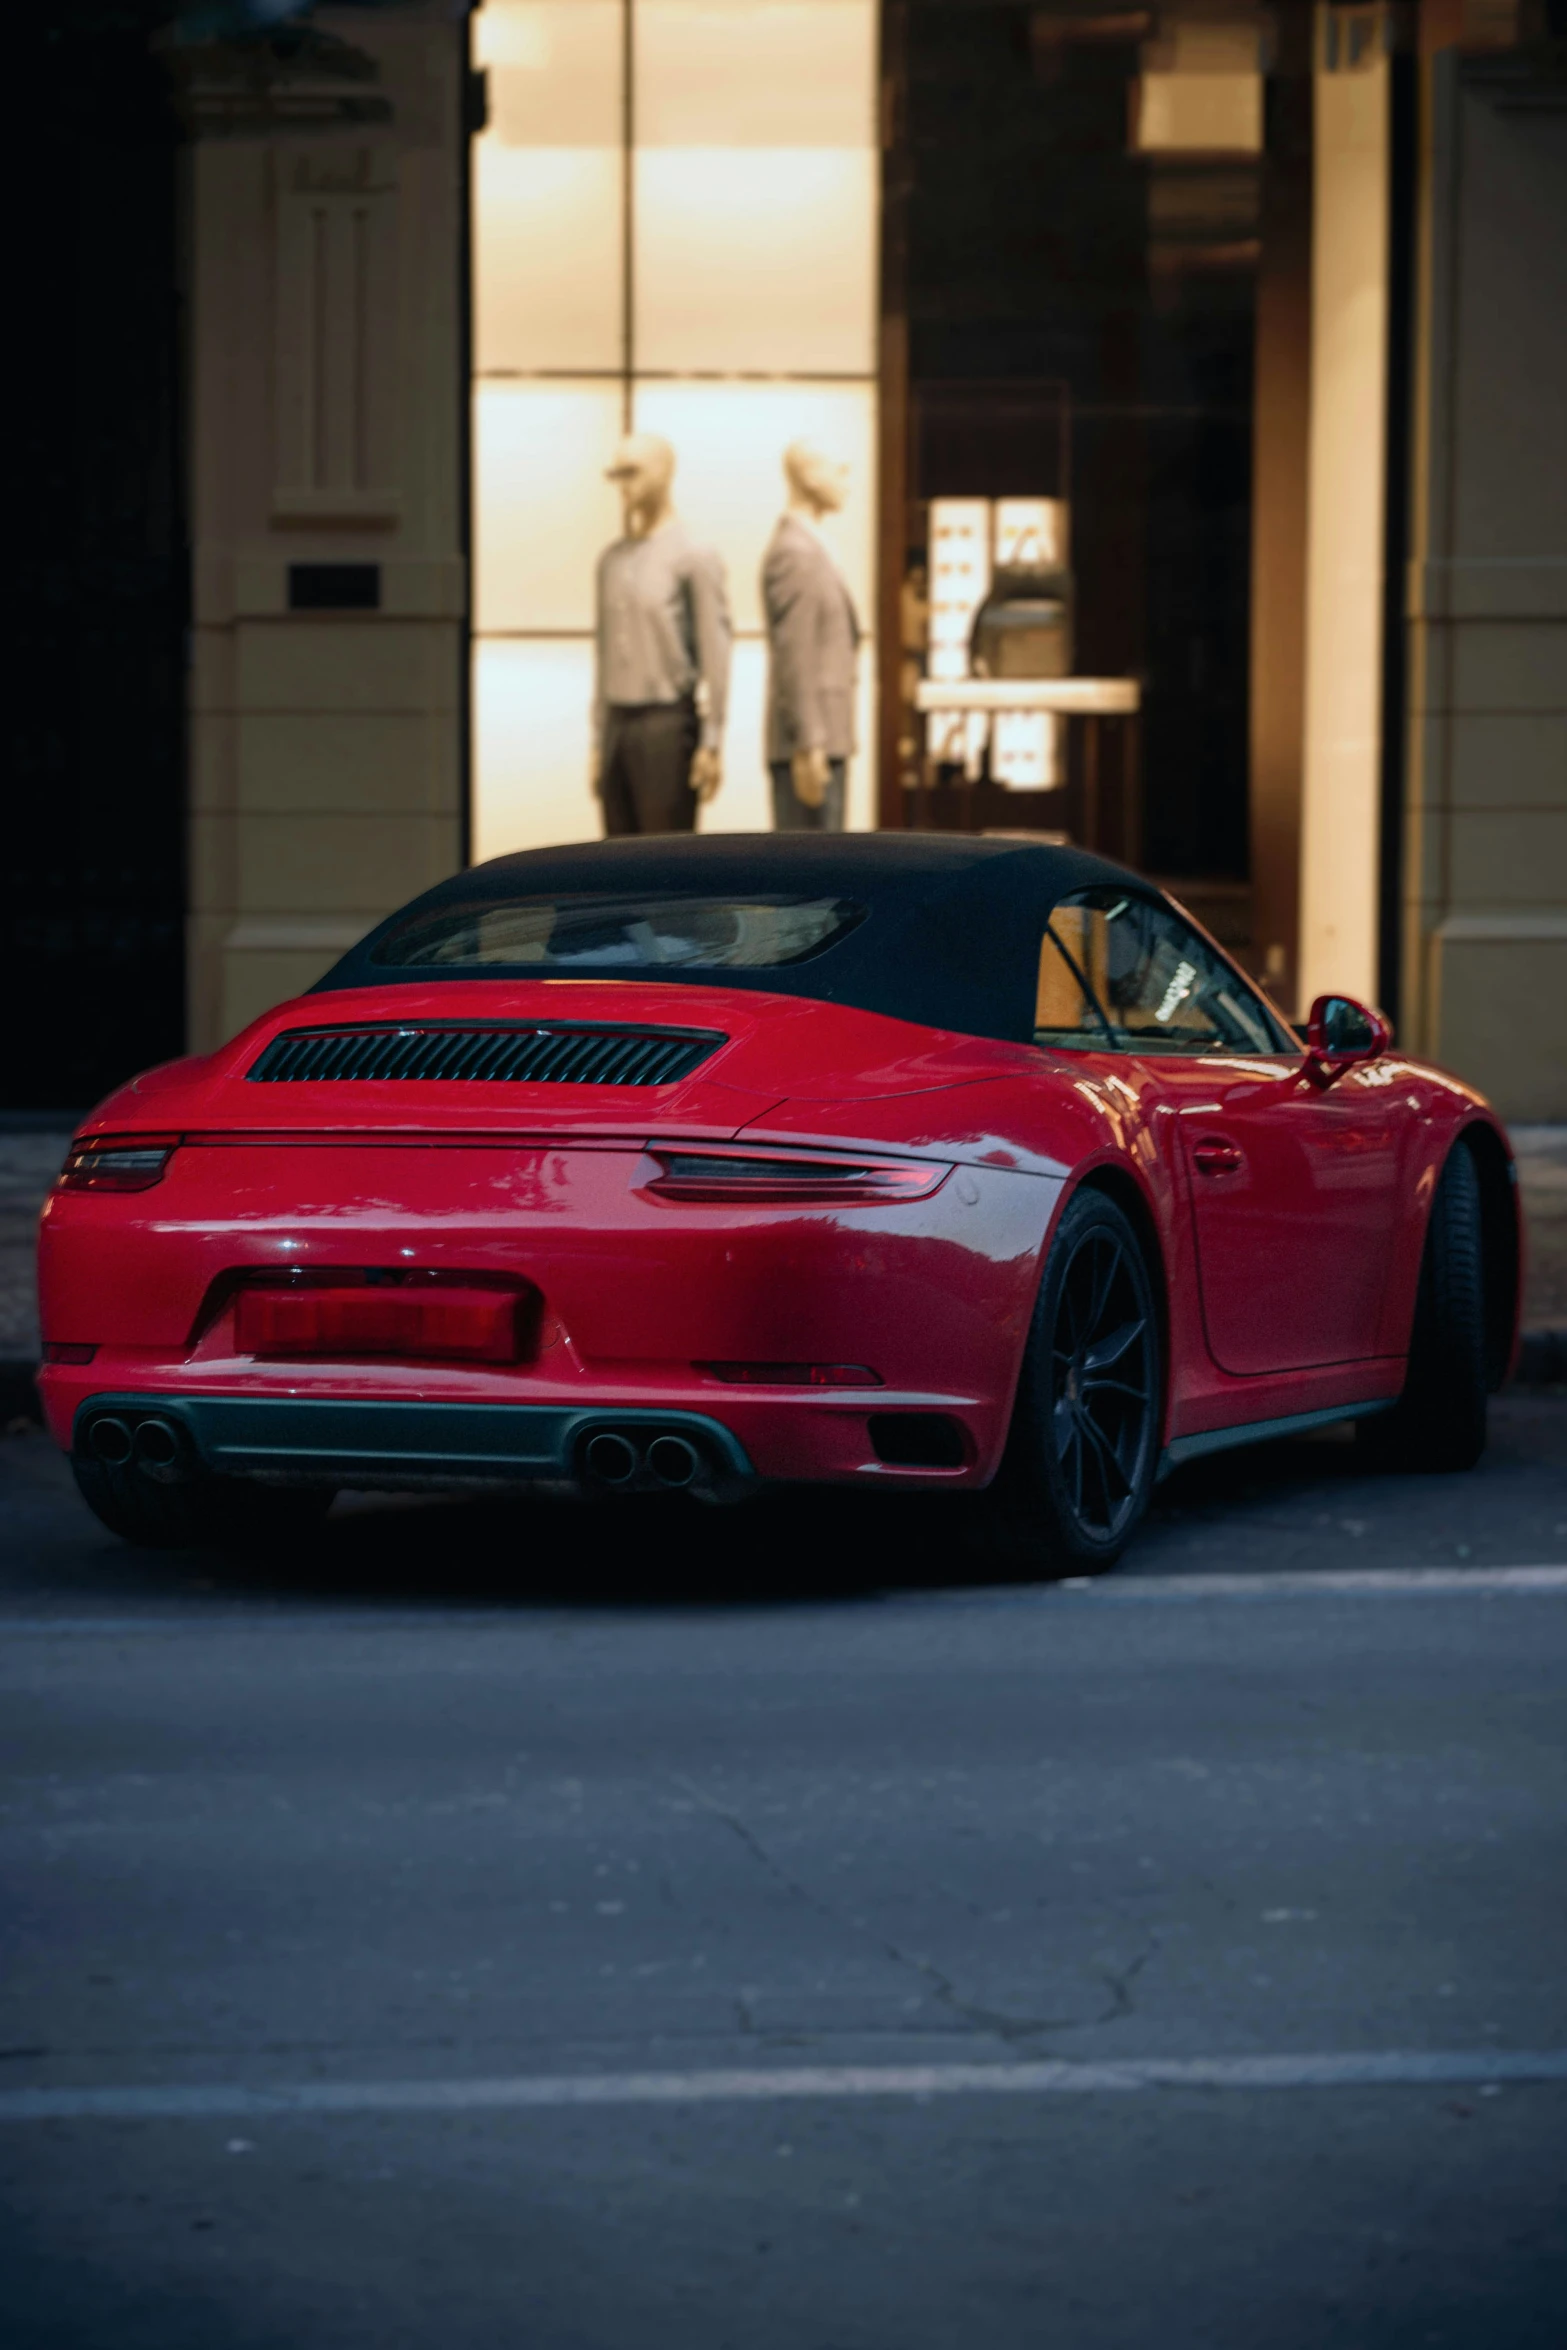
495, 1055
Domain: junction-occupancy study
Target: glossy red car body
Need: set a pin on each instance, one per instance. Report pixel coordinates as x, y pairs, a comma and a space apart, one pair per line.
1284, 1218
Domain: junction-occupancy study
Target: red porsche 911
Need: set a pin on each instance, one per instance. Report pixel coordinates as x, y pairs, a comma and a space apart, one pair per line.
722, 1164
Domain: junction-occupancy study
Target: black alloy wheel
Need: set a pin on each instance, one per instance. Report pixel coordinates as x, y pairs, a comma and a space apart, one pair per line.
1101, 1393
1083, 1449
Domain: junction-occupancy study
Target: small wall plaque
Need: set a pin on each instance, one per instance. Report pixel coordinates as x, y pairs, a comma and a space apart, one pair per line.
334, 587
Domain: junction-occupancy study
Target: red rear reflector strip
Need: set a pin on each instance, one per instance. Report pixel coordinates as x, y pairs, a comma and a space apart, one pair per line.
68, 1354
793, 1374
468, 1325
746, 1178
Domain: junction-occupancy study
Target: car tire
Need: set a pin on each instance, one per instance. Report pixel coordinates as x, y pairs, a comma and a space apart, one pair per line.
1083, 1447
210, 1513
1439, 1421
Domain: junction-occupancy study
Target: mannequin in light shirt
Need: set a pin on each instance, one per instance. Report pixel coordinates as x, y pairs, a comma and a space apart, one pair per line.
661, 647
813, 636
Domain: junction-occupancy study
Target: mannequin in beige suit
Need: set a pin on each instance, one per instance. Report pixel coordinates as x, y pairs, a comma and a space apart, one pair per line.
813, 635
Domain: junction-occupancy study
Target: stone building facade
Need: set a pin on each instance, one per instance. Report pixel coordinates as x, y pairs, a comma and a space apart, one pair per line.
1294, 355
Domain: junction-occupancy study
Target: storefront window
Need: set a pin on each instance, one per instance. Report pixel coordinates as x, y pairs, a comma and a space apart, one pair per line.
1076, 199
676, 222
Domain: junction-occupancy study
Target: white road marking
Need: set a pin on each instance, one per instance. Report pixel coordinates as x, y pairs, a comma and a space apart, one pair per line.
1485, 2068
1296, 1582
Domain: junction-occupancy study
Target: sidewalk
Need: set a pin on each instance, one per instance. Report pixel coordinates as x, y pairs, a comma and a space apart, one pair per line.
30, 1159
1542, 1170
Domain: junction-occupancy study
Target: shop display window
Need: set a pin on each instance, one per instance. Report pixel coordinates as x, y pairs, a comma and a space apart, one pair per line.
549, 161
729, 437
755, 73
555, 301
529, 696
756, 259
676, 222
546, 509
1074, 238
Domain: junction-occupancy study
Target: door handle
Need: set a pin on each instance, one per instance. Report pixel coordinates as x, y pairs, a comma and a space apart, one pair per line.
1214, 1156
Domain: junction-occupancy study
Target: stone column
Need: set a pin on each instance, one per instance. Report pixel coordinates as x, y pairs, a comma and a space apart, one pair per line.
1485, 914
327, 493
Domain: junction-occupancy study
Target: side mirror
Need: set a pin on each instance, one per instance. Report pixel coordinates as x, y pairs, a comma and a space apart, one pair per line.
1341, 1032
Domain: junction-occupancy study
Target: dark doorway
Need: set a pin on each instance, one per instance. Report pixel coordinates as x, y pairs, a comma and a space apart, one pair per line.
1079, 308
92, 879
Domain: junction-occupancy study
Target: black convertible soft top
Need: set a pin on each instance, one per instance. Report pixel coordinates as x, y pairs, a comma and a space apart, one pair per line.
950, 937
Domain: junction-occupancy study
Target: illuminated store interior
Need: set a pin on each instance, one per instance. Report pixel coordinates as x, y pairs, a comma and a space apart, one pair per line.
1094, 303
676, 213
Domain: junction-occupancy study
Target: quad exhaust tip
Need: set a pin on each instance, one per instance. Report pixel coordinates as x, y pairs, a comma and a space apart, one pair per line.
610, 1459
159, 1448
109, 1440
156, 1446
673, 1461
621, 1459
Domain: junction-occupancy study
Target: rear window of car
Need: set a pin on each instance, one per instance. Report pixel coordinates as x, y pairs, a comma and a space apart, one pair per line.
621, 933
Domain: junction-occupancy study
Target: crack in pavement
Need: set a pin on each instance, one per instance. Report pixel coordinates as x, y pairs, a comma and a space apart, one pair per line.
1010, 2029
1118, 1981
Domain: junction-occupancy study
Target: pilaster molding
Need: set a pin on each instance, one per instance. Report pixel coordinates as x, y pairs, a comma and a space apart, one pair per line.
328, 399
335, 225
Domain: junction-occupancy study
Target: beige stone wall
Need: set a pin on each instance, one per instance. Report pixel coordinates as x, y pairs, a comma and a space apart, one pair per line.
1485, 976
326, 416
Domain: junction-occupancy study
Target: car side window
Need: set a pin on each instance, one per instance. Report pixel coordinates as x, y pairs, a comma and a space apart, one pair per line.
1066, 1010
1139, 980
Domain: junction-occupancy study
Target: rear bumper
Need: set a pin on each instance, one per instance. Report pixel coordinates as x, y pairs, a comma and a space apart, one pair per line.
330, 1442
637, 1296
743, 1438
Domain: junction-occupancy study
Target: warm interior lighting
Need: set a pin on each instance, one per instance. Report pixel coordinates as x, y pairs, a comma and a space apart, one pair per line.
530, 716
546, 509
756, 73
756, 259
752, 233
547, 187
555, 300
1199, 114
1344, 546
1200, 90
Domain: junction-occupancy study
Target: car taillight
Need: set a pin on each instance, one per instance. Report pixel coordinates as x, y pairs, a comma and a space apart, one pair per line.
745, 1179
117, 1162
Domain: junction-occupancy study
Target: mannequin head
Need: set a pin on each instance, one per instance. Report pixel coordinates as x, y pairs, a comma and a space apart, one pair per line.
818, 484
643, 467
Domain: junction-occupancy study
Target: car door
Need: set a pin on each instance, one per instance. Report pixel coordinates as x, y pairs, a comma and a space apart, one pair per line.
1293, 1191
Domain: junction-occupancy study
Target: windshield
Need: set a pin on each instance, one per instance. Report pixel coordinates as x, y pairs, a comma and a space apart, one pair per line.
601, 933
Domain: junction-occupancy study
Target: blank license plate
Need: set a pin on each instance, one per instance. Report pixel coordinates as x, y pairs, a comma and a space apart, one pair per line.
468, 1325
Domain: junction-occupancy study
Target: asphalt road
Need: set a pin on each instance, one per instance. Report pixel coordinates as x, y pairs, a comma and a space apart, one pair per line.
559, 1931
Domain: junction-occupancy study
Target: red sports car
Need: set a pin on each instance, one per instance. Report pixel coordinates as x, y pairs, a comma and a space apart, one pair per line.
723, 1164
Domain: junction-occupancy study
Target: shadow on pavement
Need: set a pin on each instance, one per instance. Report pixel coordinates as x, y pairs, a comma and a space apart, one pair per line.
1309, 1502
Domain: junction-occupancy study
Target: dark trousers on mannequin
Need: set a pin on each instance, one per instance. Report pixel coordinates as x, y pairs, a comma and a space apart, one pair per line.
645, 770
792, 815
